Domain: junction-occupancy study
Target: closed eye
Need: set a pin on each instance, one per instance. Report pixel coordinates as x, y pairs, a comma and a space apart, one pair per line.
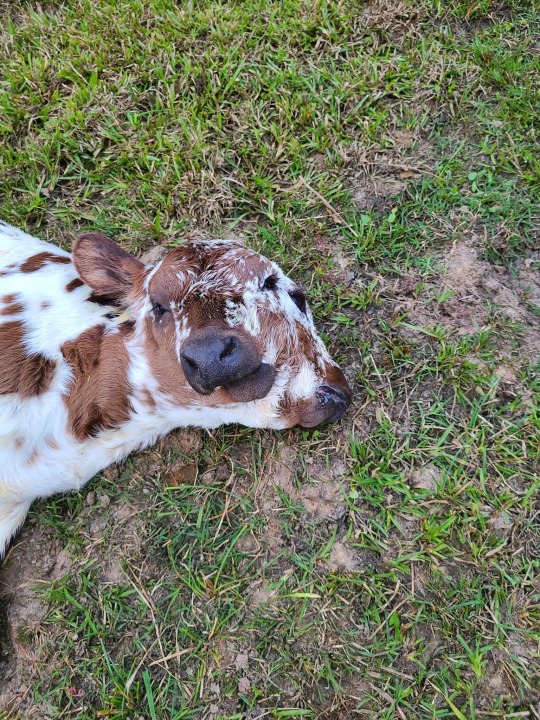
270, 283
299, 299
159, 310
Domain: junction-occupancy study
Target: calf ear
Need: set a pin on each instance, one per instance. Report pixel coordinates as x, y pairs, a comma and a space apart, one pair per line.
106, 268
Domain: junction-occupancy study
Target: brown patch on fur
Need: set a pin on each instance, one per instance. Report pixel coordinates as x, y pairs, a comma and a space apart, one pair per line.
45, 304
103, 300
19, 443
12, 309
98, 397
36, 262
148, 398
74, 284
27, 375
51, 442
33, 457
9, 269
306, 345
335, 377
160, 349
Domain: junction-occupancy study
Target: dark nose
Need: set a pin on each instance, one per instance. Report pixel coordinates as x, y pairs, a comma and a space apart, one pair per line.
334, 400
215, 360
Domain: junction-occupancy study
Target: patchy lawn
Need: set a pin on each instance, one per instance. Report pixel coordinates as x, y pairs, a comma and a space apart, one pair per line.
386, 154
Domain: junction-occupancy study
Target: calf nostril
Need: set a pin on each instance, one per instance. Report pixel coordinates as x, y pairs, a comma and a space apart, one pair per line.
191, 363
328, 392
228, 350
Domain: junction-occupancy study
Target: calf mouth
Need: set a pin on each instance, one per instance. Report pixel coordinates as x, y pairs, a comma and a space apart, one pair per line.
254, 386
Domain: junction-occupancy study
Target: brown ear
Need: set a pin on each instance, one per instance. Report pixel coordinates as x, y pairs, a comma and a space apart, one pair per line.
104, 266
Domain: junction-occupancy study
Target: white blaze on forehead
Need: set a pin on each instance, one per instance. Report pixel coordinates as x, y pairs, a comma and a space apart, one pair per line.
243, 314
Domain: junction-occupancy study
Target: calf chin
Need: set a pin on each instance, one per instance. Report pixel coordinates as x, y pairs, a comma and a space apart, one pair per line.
255, 386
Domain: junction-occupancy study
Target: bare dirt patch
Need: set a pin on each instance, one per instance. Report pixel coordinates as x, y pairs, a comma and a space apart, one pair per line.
426, 478
320, 495
469, 294
342, 558
380, 174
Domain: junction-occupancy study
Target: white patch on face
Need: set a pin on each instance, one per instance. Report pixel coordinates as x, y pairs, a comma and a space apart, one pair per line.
243, 314
182, 332
304, 383
271, 353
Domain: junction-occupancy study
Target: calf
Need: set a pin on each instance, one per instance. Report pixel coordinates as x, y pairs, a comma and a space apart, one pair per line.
101, 354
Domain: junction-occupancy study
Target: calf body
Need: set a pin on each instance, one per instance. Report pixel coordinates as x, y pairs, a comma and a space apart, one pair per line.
101, 354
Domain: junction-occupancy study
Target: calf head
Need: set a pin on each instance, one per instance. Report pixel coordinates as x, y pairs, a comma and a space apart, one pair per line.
221, 326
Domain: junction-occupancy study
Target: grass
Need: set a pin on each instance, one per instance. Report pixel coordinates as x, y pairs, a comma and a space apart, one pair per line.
387, 568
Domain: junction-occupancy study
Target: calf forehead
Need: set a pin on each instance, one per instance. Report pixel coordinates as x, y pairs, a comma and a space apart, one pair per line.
232, 262
219, 268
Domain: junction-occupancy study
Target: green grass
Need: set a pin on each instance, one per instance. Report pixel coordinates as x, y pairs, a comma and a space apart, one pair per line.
386, 568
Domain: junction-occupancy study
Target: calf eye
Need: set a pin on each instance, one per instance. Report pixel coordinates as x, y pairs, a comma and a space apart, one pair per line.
270, 283
159, 310
299, 299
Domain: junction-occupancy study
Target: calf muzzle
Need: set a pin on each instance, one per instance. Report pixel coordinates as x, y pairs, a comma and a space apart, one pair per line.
329, 402
214, 358
335, 400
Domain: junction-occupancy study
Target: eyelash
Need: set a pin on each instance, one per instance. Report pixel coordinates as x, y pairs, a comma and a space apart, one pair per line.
270, 283
159, 311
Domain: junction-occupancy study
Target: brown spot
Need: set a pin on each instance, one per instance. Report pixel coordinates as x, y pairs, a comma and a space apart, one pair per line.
19, 443
9, 269
20, 372
74, 284
306, 345
33, 457
13, 309
45, 304
8, 299
51, 442
98, 397
148, 398
36, 262
103, 300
